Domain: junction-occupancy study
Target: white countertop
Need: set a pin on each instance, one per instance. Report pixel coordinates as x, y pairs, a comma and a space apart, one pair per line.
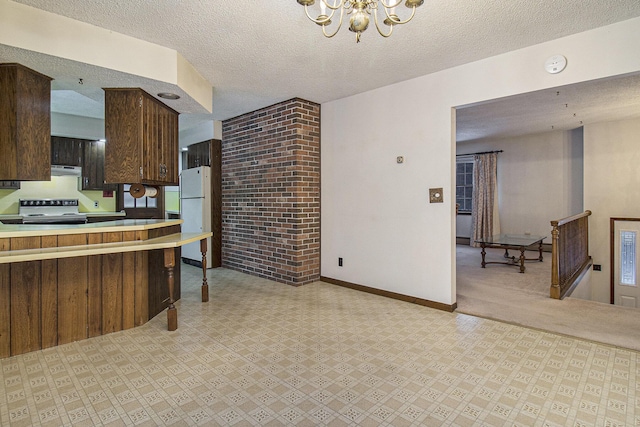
30, 230
88, 214
98, 214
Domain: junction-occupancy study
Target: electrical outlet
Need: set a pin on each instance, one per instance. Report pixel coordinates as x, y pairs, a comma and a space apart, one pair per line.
339, 262
95, 203
597, 267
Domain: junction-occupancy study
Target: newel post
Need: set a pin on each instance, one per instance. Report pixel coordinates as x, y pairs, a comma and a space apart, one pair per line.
555, 278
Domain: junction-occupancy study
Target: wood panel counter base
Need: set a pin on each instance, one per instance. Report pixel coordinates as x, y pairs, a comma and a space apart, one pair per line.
64, 285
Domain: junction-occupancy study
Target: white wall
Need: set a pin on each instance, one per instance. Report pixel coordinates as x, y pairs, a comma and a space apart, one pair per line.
211, 129
611, 189
375, 213
539, 180
584, 290
71, 126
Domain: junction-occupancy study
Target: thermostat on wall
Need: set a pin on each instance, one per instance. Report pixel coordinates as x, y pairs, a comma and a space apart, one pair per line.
554, 64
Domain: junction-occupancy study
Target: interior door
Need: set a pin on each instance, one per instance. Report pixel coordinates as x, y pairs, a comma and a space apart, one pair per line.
626, 238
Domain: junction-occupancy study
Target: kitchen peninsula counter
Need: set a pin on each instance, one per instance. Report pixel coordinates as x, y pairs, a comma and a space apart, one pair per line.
63, 283
121, 225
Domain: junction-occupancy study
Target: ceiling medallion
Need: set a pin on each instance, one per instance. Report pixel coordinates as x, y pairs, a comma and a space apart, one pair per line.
360, 12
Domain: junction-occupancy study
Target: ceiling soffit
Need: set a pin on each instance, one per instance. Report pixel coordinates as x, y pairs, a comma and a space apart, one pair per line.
54, 44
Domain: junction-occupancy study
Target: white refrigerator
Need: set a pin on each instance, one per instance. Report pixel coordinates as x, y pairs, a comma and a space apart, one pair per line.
195, 210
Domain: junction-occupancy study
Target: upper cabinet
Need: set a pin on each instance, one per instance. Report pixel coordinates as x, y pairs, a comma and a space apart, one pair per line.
9, 185
89, 154
199, 154
142, 139
66, 151
93, 167
25, 124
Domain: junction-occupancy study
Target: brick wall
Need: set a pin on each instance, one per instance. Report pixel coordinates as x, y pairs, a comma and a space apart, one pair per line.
271, 192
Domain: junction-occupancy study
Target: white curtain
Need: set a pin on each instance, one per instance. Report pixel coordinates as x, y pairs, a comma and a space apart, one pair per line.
485, 221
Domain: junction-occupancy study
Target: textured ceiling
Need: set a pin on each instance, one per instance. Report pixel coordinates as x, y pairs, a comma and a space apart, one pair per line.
256, 53
563, 108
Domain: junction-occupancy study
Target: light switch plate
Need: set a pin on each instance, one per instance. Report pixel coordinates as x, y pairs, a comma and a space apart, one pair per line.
435, 195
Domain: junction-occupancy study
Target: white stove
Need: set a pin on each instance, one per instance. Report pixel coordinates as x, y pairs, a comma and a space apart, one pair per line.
51, 211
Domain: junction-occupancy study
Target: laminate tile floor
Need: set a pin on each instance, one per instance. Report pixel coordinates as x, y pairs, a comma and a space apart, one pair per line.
261, 353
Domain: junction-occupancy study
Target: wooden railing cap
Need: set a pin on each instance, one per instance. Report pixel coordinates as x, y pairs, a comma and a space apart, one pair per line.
570, 218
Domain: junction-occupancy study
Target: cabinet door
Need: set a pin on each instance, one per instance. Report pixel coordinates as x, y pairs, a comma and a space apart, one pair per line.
169, 136
193, 160
93, 167
152, 145
164, 135
66, 151
198, 155
25, 124
160, 142
123, 131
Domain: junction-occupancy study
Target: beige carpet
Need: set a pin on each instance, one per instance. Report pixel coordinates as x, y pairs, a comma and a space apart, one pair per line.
500, 292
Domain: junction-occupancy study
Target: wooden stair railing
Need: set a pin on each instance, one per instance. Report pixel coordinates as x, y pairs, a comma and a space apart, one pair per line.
570, 258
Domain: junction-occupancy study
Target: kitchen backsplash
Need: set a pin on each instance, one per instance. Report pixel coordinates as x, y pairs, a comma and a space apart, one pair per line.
59, 187
172, 199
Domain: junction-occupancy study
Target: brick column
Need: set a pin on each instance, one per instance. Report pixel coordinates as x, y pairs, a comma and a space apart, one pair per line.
271, 192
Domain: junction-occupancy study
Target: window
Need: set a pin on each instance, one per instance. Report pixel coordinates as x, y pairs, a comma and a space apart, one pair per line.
142, 202
464, 184
628, 258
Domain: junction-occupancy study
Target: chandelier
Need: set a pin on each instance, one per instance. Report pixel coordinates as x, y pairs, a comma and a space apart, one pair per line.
360, 12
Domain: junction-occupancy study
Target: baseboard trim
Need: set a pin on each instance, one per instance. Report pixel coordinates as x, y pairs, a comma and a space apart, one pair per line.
424, 302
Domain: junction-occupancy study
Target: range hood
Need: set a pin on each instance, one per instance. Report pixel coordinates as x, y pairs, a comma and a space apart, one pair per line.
62, 170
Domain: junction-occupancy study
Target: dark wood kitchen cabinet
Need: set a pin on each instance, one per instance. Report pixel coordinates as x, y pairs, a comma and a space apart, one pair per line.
9, 185
66, 151
199, 154
25, 124
142, 139
86, 153
93, 167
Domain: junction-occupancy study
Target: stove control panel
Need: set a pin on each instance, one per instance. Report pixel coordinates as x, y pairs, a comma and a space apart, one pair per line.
48, 202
